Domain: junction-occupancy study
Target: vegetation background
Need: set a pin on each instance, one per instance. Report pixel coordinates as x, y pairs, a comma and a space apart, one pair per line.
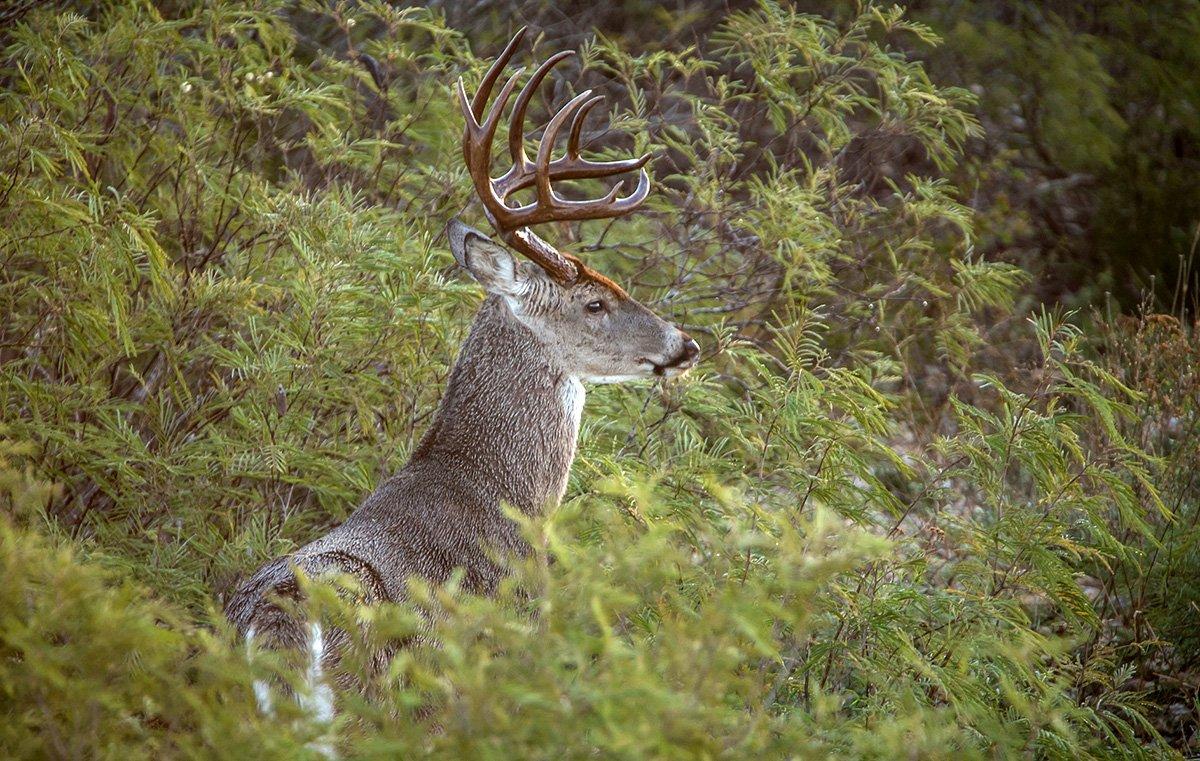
932, 492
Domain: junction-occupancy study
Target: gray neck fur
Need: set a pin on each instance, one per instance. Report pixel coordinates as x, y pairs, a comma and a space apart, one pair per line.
509, 419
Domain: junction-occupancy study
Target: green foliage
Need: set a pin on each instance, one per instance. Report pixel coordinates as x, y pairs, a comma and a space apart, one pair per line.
1093, 138
1154, 595
195, 325
89, 667
231, 313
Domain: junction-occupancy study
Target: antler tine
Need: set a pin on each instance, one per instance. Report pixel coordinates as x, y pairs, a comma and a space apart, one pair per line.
575, 167
577, 126
512, 223
485, 87
570, 166
550, 205
544, 191
498, 107
516, 125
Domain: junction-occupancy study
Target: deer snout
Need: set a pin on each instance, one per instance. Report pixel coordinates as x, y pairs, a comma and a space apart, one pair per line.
688, 354
684, 359
691, 351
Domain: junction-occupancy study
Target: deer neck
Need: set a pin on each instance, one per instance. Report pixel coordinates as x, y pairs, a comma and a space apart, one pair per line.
509, 420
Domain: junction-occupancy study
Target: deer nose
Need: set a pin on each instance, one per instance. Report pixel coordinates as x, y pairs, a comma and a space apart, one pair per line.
691, 350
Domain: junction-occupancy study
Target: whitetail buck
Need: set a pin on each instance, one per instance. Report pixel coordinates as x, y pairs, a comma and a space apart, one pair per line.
506, 428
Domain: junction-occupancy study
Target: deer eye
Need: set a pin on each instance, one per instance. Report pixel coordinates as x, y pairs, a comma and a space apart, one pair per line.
594, 307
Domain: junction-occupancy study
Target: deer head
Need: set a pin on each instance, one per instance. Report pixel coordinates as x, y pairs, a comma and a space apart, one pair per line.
593, 328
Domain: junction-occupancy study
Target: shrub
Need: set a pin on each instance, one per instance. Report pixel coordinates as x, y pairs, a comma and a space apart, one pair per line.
1086, 171
1152, 597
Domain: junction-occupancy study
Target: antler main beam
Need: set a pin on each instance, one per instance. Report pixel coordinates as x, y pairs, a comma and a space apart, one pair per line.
547, 206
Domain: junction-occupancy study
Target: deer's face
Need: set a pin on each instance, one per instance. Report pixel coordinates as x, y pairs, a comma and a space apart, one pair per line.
595, 331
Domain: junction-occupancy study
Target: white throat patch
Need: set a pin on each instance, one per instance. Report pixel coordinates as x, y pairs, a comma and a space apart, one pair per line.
572, 396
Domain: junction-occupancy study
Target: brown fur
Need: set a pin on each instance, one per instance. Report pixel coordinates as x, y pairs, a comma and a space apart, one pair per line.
503, 434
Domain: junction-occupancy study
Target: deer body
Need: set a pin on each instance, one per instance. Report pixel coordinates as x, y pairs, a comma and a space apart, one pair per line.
505, 434
506, 430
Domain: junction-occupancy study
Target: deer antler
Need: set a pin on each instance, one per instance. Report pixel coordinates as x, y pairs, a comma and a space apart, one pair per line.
512, 223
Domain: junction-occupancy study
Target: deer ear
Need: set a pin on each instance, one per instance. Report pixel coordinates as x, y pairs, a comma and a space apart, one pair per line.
489, 263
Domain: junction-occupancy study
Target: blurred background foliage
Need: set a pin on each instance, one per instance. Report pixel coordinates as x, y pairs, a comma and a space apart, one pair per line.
1092, 140
907, 505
